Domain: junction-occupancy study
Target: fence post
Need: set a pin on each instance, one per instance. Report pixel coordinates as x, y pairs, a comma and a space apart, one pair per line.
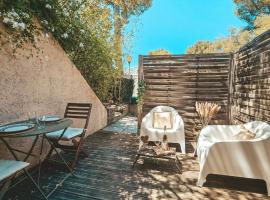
140, 78
231, 85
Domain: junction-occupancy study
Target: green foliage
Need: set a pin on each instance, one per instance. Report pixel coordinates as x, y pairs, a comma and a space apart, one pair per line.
159, 52
134, 100
124, 90
90, 31
261, 24
131, 7
122, 10
249, 10
141, 92
83, 28
255, 13
18, 17
236, 39
127, 89
201, 47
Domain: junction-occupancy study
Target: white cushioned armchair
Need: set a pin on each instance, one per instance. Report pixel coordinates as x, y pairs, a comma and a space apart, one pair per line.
174, 135
219, 153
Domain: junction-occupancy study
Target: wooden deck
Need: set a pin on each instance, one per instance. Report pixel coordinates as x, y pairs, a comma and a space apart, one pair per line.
107, 174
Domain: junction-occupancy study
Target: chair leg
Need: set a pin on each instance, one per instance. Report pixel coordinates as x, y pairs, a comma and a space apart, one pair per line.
183, 147
195, 152
267, 182
59, 155
201, 179
178, 164
4, 188
35, 184
78, 151
136, 159
50, 153
82, 151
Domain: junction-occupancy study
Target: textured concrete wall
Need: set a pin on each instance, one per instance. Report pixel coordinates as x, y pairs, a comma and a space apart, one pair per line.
43, 83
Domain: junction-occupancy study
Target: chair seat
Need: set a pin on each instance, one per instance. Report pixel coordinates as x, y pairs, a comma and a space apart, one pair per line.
69, 134
10, 167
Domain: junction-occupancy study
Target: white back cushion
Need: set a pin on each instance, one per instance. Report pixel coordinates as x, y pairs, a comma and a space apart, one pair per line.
162, 120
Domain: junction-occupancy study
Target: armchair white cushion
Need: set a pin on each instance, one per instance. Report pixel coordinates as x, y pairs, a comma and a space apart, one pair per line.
174, 135
219, 153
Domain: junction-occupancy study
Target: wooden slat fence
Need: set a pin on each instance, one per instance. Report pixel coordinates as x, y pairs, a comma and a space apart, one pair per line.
250, 92
181, 80
239, 82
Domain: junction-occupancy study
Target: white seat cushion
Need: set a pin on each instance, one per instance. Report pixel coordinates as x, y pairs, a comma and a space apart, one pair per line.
10, 167
69, 134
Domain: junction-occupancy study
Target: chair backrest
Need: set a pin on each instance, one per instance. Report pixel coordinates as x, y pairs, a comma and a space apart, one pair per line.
79, 111
148, 118
163, 109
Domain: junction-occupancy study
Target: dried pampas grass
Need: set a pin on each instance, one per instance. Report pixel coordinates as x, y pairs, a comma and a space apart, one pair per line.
206, 111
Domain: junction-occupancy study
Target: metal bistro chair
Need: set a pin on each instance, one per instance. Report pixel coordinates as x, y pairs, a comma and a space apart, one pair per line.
8, 170
76, 111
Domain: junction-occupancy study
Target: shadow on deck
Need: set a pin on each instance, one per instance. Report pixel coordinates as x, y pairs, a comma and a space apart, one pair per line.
107, 174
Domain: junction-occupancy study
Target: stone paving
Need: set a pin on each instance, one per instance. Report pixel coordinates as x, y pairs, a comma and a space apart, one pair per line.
127, 124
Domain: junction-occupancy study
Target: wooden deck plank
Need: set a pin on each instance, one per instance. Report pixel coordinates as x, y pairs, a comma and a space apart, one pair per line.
107, 174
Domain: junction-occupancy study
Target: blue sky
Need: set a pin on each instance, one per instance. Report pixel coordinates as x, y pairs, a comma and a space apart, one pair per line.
177, 24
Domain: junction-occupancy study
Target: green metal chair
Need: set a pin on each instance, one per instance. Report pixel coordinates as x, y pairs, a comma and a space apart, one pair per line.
77, 111
8, 170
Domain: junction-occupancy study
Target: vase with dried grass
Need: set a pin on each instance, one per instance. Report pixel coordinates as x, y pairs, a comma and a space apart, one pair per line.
206, 111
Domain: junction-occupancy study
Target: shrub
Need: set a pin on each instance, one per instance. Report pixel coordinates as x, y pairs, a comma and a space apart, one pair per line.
124, 90
134, 100
83, 28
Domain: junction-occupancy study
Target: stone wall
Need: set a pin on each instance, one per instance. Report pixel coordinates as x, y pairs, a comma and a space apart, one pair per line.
41, 80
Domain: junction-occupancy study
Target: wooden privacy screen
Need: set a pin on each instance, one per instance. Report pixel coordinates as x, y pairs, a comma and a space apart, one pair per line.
181, 80
239, 82
250, 92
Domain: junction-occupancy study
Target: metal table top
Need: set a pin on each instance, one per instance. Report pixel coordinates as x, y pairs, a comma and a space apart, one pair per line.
38, 129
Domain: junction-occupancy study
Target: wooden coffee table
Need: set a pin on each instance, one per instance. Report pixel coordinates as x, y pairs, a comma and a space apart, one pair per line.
154, 152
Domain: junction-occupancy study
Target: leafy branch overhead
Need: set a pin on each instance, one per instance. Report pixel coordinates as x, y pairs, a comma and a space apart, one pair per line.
159, 52
131, 7
122, 10
90, 31
249, 10
256, 13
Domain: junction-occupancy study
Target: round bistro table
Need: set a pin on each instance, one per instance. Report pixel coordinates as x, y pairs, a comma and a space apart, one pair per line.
38, 131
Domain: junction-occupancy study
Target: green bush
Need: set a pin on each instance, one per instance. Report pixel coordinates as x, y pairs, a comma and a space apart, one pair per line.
124, 90
127, 89
83, 28
134, 100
